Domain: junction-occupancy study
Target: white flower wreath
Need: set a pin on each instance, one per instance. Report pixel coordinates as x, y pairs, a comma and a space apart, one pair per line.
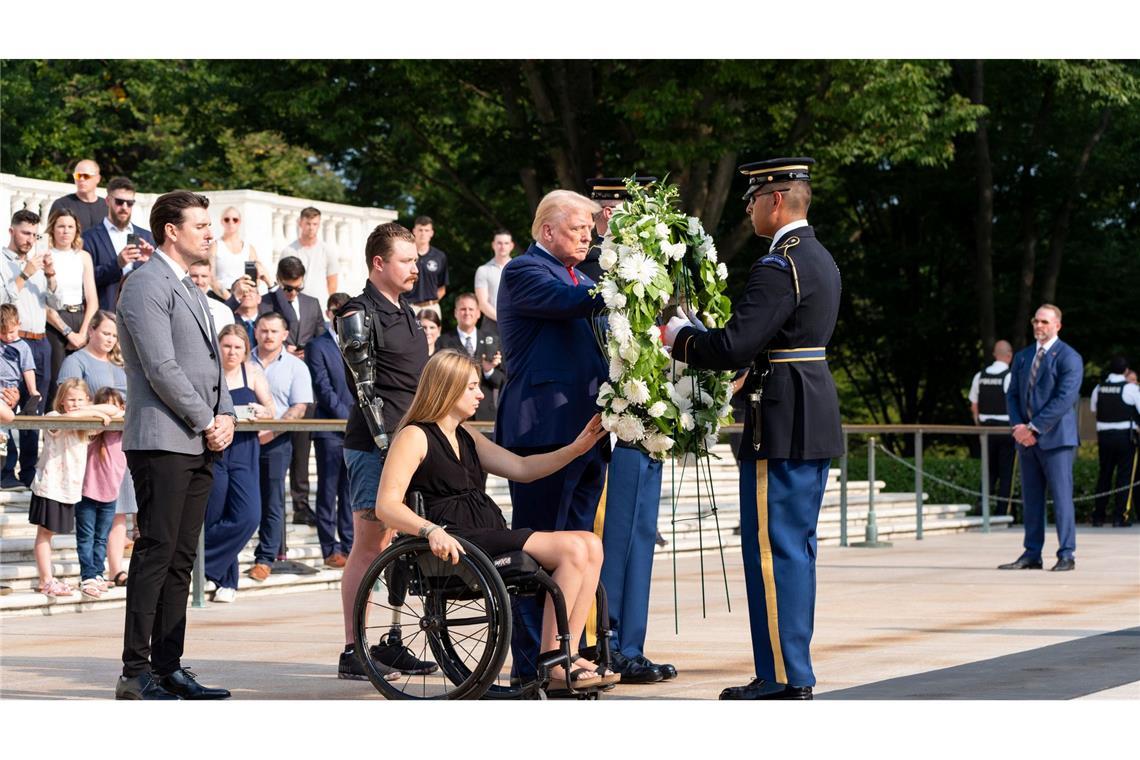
652, 254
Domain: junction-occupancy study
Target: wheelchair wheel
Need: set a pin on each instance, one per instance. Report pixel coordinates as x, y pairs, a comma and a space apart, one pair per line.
457, 615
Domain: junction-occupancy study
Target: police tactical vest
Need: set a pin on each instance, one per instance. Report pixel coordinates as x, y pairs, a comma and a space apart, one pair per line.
991, 394
1110, 405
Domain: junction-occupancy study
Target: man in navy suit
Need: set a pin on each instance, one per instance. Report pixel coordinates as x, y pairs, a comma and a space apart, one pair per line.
1044, 387
113, 251
475, 342
333, 402
556, 367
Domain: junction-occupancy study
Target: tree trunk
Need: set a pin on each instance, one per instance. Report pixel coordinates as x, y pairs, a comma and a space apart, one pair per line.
1060, 231
984, 220
552, 135
734, 242
528, 176
1018, 333
718, 191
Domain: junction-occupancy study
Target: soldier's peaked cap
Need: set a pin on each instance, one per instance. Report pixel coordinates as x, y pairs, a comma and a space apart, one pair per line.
760, 173
613, 188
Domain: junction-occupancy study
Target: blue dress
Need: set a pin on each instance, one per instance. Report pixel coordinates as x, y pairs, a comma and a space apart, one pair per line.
234, 509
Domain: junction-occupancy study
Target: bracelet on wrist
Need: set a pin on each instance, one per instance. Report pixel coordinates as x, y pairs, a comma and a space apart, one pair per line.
426, 529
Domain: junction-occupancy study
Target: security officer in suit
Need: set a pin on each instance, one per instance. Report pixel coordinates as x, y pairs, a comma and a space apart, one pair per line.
781, 325
1116, 404
627, 514
1044, 387
987, 404
610, 193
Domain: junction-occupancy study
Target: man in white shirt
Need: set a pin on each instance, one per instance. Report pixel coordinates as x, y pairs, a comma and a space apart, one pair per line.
116, 245
322, 266
1116, 404
200, 274
987, 405
488, 275
28, 280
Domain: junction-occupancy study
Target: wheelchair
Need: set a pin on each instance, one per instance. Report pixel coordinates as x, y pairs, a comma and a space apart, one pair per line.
460, 618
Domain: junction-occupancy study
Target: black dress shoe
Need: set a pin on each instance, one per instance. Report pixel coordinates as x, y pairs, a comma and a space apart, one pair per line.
143, 686
761, 689
185, 684
668, 672
633, 671
1064, 563
304, 516
1022, 563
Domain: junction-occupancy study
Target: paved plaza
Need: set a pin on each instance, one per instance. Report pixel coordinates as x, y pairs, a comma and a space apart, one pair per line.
927, 619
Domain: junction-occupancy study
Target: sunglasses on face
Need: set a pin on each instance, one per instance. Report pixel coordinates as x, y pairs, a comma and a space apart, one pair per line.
123, 202
292, 288
235, 220
84, 176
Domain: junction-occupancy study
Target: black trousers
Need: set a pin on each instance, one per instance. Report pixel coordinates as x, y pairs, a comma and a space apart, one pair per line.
1116, 453
1001, 452
299, 466
172, 491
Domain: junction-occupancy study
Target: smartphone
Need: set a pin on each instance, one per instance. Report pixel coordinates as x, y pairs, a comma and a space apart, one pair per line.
133, 239
251, 270
489, 346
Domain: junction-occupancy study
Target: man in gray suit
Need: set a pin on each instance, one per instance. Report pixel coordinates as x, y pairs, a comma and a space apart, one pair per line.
179, 415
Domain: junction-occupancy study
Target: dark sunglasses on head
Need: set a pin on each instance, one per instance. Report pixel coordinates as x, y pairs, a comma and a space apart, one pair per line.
84, 175
123, 202
292, 288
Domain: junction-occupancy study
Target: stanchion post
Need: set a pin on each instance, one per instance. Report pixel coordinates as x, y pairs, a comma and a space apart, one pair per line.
918, 485
198, 577
843, 493
872, 535
985, 443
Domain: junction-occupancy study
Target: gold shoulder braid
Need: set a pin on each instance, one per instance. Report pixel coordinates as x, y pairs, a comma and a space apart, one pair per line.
783, 249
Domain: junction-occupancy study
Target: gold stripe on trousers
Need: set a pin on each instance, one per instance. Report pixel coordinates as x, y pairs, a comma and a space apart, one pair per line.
767, 571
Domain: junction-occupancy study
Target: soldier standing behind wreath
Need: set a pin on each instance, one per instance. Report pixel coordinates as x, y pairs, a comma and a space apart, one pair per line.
781, 325
987, 405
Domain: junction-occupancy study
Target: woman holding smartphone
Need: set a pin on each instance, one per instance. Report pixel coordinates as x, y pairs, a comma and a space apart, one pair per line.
75, 287
231, 258
234, 509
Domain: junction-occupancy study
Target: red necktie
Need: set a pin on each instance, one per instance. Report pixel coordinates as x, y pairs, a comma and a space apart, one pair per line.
573, 276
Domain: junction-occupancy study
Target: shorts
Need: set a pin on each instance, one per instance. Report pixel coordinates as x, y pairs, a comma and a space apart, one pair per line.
364, 469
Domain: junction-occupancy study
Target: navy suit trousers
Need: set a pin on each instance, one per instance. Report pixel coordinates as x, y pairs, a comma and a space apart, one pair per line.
1052, 468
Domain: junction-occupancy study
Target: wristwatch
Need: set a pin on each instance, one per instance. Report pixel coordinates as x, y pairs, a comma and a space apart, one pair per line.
67, 331
23, 275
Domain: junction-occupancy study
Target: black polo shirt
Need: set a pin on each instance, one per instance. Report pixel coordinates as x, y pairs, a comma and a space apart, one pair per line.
432, 267
398, 364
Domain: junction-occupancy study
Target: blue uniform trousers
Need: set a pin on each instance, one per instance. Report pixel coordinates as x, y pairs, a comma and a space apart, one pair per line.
566, 500
1052, 467
334, 505
629, 533
779, 509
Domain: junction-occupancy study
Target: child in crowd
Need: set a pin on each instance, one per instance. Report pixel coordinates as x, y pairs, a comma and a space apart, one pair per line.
106, 465
17, 366
58, 484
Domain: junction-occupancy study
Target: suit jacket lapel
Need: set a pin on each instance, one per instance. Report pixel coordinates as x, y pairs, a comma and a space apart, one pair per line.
190, 301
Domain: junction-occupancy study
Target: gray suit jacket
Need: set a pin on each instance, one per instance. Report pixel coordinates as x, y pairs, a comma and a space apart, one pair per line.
175, 383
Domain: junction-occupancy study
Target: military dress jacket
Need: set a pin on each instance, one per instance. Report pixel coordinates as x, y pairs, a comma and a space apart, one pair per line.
799, 407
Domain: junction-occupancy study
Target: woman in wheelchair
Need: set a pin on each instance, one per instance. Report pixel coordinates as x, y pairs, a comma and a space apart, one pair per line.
433, 453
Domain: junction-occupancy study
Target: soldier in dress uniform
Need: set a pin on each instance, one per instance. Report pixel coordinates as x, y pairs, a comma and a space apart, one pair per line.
781, 326
627, 515
610, 193
1116, 404
987, 404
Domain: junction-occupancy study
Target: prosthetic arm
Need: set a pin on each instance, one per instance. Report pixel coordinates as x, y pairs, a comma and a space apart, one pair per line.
355, 332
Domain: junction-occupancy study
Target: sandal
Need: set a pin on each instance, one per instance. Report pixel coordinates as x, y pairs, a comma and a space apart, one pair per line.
120, 578
89, 587
55, 587
101, 584
608, 677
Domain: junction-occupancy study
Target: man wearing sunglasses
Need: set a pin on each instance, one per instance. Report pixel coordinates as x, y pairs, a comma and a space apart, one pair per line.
85, 202
115, 244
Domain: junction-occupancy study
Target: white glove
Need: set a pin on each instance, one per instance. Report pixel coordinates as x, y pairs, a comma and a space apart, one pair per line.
676, 325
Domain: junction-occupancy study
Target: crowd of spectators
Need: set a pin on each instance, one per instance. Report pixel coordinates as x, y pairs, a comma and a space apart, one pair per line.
278, 347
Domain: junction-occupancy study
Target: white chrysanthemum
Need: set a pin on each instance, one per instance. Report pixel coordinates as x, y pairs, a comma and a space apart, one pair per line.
722, 271
617, 366
657, 443
609, 421
607, 259
636, 391
653, 333
694, 226
657, 409
707, 248
662, 230
629, 428
630, 352
618, 404
638, 268
687, 421
619, 328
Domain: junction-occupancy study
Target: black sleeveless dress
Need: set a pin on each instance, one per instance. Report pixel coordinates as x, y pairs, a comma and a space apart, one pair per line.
454, 494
